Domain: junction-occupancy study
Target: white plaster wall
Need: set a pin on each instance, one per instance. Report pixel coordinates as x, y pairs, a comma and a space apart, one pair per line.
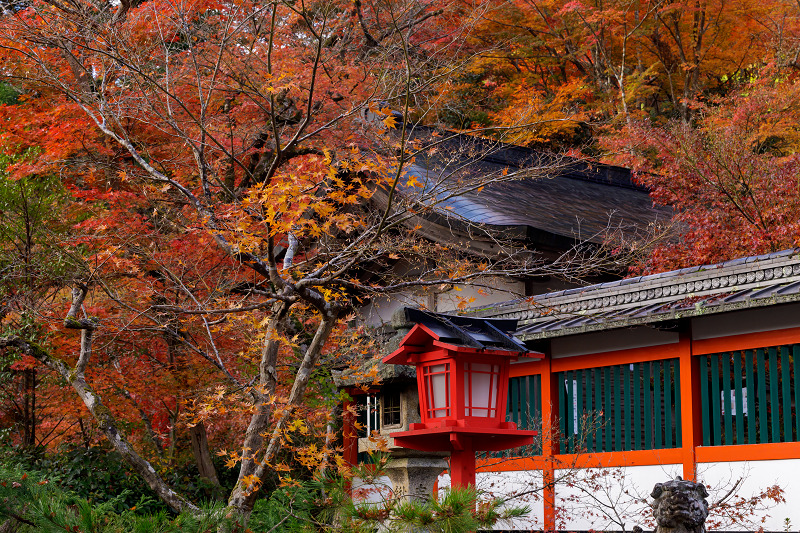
622, 489
374, 492
481, 293
379, 311
520, 488
607, 341
757, 476
749, 321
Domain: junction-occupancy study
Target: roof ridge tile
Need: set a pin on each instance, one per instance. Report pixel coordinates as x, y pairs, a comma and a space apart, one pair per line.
775, 275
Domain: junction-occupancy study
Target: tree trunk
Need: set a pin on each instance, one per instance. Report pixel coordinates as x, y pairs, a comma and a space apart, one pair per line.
244, 495
268, 378
202, 456
29, 408
142, 467
104, 417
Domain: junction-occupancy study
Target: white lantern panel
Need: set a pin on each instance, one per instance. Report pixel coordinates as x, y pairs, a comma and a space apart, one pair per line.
439, 391
437, 388
481, 389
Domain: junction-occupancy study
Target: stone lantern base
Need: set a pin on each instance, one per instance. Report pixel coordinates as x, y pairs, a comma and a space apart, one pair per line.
414, 473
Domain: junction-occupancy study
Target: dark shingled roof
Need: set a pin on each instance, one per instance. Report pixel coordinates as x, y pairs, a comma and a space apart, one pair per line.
552, 200
739, 284
474, 332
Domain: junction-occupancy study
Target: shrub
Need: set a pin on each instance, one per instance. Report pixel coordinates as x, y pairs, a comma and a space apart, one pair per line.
31, 504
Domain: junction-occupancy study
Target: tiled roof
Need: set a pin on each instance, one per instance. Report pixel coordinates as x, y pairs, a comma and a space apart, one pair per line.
470, 331
742, 283
555, 196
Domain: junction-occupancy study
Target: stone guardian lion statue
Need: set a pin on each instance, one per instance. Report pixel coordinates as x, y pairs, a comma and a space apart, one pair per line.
680, 506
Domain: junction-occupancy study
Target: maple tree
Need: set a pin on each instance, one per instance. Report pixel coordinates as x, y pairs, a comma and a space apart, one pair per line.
240, 169
731, 177
31, 262
685, 86
585, 68
238, 187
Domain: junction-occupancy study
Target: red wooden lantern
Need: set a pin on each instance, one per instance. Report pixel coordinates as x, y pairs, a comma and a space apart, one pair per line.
462, 368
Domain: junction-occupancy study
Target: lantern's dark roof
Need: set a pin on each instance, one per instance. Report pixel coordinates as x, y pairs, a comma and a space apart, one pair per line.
479, 333
543, 198
748, 282
472, 332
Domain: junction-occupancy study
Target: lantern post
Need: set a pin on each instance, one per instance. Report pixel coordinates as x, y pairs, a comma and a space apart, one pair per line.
462, 366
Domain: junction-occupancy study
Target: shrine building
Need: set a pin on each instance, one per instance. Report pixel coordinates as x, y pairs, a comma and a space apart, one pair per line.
694, 372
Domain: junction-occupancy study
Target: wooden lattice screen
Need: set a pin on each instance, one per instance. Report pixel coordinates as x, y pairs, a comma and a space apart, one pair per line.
621, 407
524, 409
750, 396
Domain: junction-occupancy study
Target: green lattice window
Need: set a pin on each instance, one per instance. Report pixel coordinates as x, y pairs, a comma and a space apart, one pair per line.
750, 396
525, 410
621, 407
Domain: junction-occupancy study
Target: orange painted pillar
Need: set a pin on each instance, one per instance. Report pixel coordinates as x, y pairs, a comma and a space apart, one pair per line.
691, 422
462, 464
549, 441
349, 434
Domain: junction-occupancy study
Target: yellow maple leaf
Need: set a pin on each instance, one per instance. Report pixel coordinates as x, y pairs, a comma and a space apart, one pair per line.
390, 121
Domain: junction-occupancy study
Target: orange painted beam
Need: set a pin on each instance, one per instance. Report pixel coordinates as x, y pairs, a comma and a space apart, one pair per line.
617, 357
512, 464
704, 454
526, 369
746, 341
613, 459
585, 460
749, 452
